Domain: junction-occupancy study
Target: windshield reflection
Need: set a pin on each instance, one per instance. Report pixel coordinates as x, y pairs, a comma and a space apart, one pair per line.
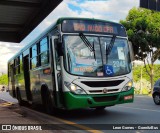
79, 60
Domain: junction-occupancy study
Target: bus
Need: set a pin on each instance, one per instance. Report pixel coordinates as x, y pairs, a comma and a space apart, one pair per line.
76, 63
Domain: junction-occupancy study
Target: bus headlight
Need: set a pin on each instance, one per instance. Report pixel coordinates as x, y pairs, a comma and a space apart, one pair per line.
128, 86
74, 88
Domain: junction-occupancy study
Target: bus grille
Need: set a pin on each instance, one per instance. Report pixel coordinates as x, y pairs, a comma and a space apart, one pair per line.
105, 98
102, 83
99, 91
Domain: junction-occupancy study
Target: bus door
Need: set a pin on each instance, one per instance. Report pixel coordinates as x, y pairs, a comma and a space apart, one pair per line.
27, 77
56, 73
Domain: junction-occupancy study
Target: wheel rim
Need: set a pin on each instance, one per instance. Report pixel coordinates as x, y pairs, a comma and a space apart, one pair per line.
157, 98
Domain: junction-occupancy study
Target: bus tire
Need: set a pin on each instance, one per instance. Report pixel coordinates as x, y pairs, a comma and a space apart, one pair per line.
14, 93
48, 103
20, 101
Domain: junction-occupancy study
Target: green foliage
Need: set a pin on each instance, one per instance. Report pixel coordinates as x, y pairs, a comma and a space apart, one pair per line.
145, 82
143, 30
145, 91
138, 69
136, 73
142, 86
4, 79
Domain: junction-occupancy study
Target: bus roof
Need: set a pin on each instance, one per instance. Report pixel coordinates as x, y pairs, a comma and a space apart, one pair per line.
51, 27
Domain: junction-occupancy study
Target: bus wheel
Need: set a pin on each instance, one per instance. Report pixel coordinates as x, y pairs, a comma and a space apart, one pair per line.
20, 101
100, 108
48, 104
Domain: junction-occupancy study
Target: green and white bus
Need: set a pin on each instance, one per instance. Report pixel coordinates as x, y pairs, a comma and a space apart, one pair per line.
76, 63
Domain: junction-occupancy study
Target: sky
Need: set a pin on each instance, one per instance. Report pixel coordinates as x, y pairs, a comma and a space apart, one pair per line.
112, 10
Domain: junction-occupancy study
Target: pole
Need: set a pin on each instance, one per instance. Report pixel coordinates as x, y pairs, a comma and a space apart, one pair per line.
141, 81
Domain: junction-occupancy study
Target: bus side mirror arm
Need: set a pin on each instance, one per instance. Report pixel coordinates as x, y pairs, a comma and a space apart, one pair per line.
131, 51
58, 47
61, 62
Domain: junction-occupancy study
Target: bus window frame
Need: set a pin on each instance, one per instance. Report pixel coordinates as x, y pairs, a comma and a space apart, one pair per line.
58, 52
31, 56
46, 51
17, 65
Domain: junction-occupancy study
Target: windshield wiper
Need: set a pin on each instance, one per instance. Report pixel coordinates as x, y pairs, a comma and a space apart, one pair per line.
94, 51
88, 44
109, 48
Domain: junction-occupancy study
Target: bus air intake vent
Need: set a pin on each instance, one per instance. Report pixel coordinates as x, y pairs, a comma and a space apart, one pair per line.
102, 83
105, 98
96, 91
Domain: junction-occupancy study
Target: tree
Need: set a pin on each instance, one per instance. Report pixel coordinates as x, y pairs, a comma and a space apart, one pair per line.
143, 29
137, 73
142, 80
4, 79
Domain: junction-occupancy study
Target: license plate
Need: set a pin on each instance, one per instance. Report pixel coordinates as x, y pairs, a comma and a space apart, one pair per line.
128, 97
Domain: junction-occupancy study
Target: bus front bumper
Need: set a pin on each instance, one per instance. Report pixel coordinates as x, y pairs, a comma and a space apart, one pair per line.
73, 101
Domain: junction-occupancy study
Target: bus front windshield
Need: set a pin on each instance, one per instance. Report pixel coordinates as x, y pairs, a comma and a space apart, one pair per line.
98, 57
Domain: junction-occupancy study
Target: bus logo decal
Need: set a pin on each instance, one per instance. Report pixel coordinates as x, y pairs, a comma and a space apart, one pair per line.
105, 90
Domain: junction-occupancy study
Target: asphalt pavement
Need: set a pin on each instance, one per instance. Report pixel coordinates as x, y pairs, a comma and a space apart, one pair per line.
5, 96
141, 111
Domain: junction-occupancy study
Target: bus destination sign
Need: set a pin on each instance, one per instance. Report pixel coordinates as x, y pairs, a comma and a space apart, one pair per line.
94, 28
91, 26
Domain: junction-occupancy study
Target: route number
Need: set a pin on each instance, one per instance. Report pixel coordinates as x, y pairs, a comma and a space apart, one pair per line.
118, 63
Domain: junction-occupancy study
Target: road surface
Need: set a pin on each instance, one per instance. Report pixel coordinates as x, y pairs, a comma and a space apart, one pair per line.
142, 111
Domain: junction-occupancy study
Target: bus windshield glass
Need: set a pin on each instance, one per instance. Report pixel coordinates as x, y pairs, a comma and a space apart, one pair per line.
82, 61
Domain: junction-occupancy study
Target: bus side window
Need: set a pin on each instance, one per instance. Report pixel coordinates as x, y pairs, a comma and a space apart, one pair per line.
44, 51
12, 73
17, 66
34, 56
21, 64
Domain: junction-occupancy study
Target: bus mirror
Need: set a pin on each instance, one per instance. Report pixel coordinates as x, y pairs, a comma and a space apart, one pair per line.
59, 49
131, 51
